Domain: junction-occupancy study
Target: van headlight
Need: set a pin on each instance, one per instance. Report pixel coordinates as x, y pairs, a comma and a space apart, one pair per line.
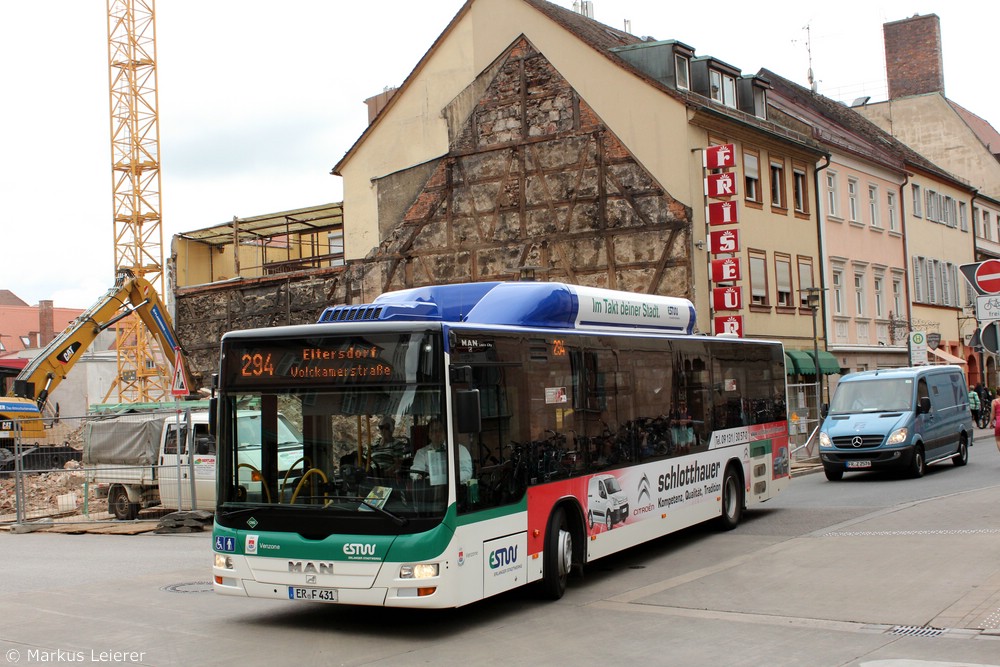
898, 436
824, 440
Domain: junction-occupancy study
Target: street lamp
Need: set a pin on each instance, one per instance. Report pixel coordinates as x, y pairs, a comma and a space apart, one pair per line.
812, 301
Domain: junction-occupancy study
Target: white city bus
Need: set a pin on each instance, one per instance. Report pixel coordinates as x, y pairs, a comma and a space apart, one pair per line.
577, 422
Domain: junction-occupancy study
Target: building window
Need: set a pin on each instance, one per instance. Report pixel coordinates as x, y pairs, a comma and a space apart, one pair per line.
729, 91
987, 229
751, 176
783, 279
837, 280
931, 270
723, 88
777, 184
890, 201
852, 199
805, 280
801, 190
873, 206
335, 243
918, 280
949, 283
963, 219
758, 278
879, 296
682, 68
916, 201
859, 294
832, 195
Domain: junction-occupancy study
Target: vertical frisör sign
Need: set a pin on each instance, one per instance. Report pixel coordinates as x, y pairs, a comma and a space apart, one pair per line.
724, 264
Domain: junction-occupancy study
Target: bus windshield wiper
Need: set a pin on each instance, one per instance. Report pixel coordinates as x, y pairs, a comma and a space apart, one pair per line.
395, 518
235, 512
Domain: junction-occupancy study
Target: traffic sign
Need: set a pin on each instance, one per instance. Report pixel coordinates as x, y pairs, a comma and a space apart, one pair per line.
180, 386
988, 276
988, 307
989, 338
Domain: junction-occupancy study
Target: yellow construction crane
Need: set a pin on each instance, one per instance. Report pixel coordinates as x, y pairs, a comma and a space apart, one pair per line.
135, 154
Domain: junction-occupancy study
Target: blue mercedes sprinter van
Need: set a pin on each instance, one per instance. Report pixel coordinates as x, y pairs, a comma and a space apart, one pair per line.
902, 418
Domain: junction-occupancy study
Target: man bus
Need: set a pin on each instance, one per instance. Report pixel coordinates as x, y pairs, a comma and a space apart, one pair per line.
563, 400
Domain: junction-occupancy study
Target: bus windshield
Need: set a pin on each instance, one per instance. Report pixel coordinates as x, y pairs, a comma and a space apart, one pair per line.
334, 426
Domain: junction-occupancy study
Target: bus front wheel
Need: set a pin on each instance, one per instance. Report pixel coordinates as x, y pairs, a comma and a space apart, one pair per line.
732, 499
558, 556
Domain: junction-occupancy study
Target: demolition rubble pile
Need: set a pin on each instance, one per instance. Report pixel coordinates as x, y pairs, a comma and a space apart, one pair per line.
50, 491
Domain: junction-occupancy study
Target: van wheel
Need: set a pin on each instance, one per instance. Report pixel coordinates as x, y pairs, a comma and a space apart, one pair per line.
833, 474
558, 556
120, 505
918, 466
590, 519
732, 500
607, 520
962, 457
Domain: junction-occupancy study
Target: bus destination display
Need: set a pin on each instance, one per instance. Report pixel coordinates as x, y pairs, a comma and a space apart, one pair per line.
350, 363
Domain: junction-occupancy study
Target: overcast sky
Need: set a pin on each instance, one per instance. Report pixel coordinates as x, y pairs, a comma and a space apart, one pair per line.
258, 100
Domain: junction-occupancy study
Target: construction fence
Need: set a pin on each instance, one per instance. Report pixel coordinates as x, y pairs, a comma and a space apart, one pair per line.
135, 467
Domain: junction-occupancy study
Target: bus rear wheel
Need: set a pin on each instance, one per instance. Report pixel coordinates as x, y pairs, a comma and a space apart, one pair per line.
732, 499
558, 556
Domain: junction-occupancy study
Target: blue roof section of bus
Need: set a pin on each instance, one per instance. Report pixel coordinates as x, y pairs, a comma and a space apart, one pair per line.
529, 304
442, 303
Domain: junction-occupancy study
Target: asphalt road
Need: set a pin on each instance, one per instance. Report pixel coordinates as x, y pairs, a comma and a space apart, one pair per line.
877, 571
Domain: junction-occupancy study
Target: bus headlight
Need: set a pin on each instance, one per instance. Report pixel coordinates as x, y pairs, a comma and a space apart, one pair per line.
897, 437
418, 571
824, 440
223, 561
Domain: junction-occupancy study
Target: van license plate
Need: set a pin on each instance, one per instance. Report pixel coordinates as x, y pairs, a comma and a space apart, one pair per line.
859, 464
317, 594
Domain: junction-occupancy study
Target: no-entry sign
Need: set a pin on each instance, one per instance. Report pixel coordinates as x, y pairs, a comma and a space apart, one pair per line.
988, 276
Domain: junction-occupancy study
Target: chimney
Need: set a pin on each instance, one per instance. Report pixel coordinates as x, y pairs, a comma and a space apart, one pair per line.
913, 60
46, 323
378, 102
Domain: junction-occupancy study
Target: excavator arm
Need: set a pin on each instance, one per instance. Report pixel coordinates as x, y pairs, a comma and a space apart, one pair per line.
131, 294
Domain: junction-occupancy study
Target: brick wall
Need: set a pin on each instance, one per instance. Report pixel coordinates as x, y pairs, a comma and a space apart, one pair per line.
913, 59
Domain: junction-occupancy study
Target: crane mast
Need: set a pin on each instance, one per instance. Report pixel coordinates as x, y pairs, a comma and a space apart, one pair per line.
135, 154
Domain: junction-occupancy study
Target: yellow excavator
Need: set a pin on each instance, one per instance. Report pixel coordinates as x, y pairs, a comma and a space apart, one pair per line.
21, 412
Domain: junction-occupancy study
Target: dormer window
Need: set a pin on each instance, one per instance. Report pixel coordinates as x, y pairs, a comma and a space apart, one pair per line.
723, 88
682, 69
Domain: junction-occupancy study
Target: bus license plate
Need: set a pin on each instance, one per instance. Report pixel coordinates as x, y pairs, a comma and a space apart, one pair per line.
316, 594
859, 464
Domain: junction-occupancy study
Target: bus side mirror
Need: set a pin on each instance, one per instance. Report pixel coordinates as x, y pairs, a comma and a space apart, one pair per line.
925, 405
467, 416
